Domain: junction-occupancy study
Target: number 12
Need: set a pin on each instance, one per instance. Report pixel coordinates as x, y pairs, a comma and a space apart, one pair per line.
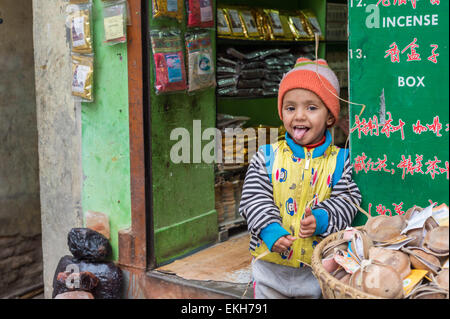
358, 5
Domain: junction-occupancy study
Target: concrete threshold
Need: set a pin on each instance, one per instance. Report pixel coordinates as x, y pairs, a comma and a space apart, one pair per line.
205, 289
220, 271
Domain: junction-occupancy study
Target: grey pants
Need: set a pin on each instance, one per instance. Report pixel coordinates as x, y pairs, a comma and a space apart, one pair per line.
273, 281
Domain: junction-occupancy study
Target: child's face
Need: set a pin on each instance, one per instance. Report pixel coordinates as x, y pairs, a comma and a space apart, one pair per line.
305, 117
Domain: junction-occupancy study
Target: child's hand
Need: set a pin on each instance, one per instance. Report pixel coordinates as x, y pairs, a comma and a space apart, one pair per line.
307, 224
283, 243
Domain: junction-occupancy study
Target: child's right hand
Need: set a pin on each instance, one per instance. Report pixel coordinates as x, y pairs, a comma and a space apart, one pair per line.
283, 243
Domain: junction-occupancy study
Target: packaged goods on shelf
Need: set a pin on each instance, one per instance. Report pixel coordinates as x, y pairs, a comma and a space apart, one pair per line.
167, 48
227, 81
300, 27
279, 26
253, 65
337, 12
227, 91
251, 30
313, 22
336, 31
249, 84
168, 8
241, 22
254, 73
237, 28
263, 24
223, 23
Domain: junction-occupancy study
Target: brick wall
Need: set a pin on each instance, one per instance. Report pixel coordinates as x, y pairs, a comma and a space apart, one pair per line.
20, 263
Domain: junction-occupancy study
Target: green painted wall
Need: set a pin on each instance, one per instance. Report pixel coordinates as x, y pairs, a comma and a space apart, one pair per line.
105, 136
183, 194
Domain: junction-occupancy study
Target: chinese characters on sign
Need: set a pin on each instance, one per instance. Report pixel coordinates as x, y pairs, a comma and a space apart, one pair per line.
399, 146
394, 52
387, 3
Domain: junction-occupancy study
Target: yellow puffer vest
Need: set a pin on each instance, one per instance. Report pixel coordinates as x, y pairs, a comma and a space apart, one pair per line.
297, 181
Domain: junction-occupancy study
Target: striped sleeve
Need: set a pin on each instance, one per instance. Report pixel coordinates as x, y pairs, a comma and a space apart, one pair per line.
257, 206
340, 211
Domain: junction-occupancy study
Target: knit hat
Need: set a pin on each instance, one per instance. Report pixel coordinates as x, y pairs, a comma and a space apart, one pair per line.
304, 76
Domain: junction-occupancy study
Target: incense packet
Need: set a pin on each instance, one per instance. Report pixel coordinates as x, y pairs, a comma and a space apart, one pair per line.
167, 47
168, 8
237, 29
83, 77
200, 13
223, 23
413, 279
313, 22
262, 22
299, 27
201, 73
284, 18
440, 214
275, 28
79, 23
278, 25
347, 262
115, 22
251, 30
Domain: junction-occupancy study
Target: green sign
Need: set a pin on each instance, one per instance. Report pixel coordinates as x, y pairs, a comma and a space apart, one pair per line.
398, 68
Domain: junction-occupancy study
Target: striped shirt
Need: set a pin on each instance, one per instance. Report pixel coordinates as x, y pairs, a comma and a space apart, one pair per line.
257, 205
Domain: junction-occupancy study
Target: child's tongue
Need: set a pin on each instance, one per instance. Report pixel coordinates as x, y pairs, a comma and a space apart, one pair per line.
299, 133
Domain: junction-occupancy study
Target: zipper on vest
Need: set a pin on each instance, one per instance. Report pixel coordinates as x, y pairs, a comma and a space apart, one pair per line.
308, 157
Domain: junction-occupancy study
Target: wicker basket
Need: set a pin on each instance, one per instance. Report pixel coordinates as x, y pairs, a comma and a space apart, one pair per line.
331, 287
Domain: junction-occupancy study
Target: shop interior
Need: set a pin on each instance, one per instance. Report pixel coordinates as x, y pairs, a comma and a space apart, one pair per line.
250, 62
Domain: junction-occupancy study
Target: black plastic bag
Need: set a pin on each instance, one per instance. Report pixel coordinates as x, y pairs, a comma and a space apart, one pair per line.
109, 277
85, 243
71, 281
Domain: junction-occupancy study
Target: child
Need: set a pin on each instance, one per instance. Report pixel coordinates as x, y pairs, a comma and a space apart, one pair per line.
283, 178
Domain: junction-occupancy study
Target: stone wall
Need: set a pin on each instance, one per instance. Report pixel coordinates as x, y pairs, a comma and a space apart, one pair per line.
20, 221
59, 131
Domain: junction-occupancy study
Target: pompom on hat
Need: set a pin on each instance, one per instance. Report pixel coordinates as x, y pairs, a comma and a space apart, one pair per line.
304, 76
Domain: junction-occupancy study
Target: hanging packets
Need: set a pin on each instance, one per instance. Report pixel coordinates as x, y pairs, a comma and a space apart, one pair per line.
83, 77
200, 13
79, 24
251, 30
168, 59
223, 23
115, 22
168, 8
237, 29
299, 27
200, 61
313, 22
